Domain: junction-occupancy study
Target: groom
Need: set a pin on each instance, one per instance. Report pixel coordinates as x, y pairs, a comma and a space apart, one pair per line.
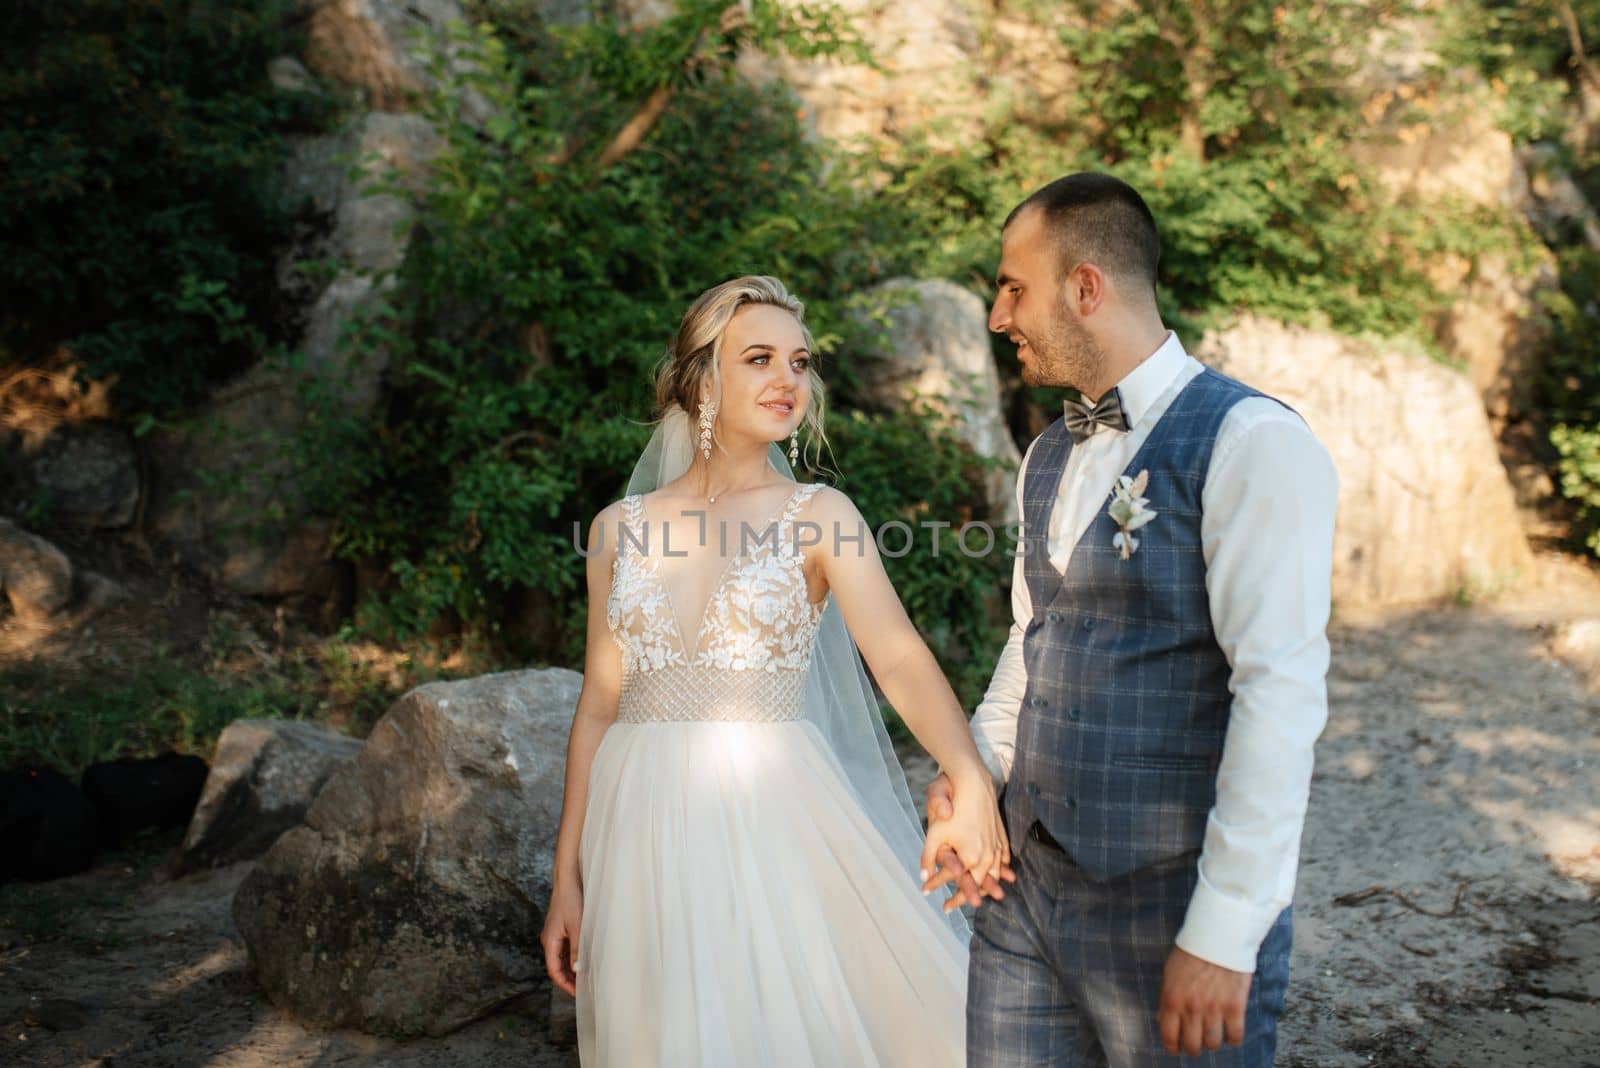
1153, 713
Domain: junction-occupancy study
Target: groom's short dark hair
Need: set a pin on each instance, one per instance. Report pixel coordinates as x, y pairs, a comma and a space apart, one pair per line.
1095, 217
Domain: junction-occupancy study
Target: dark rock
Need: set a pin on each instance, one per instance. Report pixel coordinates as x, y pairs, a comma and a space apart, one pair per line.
83, 474
410, 900
47, 827
35, 575
132, 794
58, 1014
264, 775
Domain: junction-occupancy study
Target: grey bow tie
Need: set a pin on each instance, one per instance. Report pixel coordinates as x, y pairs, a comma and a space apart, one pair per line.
1084, 419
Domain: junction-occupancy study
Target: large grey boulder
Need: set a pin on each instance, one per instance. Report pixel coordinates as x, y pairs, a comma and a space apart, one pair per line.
1425, 508
938, 353
85, 474
410, 901
264, 775
35, 576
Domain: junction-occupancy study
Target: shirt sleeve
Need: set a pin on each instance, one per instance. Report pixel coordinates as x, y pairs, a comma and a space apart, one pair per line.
1268, 505
994, 724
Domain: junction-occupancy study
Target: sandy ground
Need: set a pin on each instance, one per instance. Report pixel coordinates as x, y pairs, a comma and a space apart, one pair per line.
1448, 911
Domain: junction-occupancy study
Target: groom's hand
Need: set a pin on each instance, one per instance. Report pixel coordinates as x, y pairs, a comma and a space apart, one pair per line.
942, 806
1202, 1004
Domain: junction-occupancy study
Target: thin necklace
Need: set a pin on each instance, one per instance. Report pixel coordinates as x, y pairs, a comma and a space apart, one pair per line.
712, 498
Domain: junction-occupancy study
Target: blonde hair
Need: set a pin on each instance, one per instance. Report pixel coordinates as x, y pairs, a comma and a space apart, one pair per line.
693, 357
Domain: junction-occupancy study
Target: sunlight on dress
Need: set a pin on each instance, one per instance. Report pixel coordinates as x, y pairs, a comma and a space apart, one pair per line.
740, 908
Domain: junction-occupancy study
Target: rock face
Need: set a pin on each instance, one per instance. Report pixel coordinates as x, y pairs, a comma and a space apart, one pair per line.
253, 536
1556, 205
369, 44
939, 352
1493, 327
263, 778
1462, 154
1459, 154
411, 900
86, 474
1425, 509
927, 70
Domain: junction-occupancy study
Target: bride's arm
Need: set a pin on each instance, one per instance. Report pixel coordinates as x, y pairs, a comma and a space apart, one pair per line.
906, 671
596, 711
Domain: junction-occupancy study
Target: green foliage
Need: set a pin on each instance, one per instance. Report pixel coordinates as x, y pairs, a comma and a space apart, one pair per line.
544, 285
595, 178
1526, 53
1232, 118
68, 721
1535, 58
1573, 386
950, 580
141, 145
165, 705
548, 272
1579, 447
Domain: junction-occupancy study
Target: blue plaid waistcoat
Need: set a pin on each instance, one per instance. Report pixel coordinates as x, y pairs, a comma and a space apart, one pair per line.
1122, 723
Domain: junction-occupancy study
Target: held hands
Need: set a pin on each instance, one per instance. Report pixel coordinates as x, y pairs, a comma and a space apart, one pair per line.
562, 922
966, 842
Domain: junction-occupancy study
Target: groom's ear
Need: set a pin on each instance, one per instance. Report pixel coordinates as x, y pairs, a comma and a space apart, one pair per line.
1086, 288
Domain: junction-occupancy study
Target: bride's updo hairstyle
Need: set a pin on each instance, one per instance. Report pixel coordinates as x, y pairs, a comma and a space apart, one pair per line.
693, 357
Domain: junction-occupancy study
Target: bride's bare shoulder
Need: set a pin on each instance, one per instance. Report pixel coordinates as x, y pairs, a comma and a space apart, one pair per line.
611, 513
827, 504
603, 528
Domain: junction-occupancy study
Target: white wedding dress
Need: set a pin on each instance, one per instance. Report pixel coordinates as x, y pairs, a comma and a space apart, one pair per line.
740, 908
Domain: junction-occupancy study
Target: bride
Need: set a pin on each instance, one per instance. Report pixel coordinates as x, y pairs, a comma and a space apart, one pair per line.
736, 868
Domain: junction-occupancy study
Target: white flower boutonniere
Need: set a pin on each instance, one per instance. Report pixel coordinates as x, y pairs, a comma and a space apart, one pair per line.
1130, 510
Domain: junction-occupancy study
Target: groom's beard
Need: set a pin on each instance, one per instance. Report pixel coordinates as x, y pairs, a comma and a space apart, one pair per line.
1064, 355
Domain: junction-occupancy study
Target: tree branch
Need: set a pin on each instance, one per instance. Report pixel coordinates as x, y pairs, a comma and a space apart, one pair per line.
633, 132
1580, 56
637, 128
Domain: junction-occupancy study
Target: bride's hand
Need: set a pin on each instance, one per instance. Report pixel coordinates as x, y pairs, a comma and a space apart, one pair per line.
974, 832
562, 922
941, 806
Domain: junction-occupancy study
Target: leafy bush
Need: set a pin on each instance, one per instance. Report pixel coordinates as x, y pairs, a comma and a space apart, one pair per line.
1572, 385
618, 173
1536, 60
1236, 122
898, 468
544, 284
549, 271
141, 145
182, 700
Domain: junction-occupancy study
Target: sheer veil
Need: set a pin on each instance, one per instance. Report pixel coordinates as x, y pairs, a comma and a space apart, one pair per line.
838, 697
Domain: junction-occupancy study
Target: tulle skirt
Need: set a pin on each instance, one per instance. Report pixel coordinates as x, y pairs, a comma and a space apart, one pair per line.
740, 909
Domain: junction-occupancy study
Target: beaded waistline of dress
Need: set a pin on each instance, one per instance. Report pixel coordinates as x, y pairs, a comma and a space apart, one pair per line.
689, 693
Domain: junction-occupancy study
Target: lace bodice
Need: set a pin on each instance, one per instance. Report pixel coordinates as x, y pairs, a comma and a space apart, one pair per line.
752, 647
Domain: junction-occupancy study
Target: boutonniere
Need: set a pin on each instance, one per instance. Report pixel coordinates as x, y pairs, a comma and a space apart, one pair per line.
1130, 510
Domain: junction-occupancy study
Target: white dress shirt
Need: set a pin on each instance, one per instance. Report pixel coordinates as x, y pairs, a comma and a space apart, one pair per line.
1267, 537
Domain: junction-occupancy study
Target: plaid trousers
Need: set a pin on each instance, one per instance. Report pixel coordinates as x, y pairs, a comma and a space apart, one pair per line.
1066, 972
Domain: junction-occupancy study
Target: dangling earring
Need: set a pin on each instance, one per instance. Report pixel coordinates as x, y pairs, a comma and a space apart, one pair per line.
794, 447
708, 412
